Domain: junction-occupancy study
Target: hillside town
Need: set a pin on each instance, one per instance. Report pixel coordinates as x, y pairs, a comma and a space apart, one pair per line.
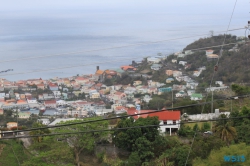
87, 95
160, 102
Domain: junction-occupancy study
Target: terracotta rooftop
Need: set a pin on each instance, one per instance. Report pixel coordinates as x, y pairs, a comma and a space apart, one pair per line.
164, 115
99, 72
50, 102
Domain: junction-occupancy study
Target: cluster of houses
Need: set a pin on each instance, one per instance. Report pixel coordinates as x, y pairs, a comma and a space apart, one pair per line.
86, 94
182, 90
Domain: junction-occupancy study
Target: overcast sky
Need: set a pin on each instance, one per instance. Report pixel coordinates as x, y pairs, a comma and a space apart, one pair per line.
45, 27
128, 5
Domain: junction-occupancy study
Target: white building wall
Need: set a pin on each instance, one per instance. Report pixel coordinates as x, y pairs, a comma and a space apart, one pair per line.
208, 116
170, 126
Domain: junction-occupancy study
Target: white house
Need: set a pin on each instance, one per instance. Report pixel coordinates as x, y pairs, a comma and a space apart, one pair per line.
180, 94
57, 93
60, 102
177, 73
11, 124
192, 85
174, 61
183, 63
216, 88
196, 96
147, 98
197, 73
32, 101
44, 121
181, 55
77, 112
153, 60
130, 90
188, 52
179, 78
208, 52
219, 83
156, 67
169, 120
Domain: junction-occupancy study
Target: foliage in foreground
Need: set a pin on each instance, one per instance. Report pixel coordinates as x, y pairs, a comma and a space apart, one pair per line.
50, 152
83, 141
216, 157
13, 153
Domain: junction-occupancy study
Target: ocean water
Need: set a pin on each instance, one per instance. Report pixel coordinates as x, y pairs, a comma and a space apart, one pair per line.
86, 37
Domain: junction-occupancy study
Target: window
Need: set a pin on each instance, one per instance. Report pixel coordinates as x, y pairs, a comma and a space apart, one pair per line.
174, 122
165, 122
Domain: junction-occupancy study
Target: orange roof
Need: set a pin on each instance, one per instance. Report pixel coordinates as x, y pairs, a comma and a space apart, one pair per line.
81, 78
164, 115
98, 84
99, 72
167, 115
121, 107
209, 50
21, 101
12, 123
107, 71
118, 93
50, 102
127, 67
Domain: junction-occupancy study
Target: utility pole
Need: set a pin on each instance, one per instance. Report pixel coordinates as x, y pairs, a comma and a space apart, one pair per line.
16, 120
231, 105
172, 99
212, 105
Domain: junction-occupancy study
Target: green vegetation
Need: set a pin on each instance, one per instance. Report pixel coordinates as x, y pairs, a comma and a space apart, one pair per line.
83, 141
12, 153
146, 146
216, 157
50, 152
39, 132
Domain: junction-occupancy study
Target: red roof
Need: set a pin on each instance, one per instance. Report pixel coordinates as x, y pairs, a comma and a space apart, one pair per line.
164, 115
50, 102
167, 115
209, 50
80, 78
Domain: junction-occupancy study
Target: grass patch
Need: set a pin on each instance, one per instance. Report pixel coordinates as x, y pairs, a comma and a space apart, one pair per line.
8, 157
200, 124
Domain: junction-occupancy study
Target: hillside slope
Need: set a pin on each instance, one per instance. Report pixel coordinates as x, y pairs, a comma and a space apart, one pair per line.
234, 67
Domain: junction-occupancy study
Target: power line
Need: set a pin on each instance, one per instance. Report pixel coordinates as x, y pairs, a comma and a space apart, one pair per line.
98, 120
126, 116
96, 63
123, 128
109, 48
215, 69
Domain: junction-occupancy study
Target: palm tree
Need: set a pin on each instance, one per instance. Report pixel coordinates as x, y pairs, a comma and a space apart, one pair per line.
226, 132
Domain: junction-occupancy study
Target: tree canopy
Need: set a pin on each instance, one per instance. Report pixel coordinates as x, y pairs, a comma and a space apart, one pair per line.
83, 141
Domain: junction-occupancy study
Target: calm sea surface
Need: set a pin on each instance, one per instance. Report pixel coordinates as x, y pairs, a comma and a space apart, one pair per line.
44, 34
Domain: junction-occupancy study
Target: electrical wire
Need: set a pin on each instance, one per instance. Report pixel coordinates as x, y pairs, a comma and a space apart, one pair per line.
123, 128
97, 63
213, 76
127, 116
103, 49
